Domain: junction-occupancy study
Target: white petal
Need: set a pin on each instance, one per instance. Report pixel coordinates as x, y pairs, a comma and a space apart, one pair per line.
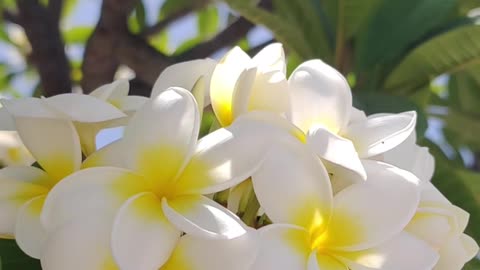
29, 232
242, 92
80, 245
456, 253
319, 95
86, 192
129, 104
434, 228
184, 75
140, 223
380, 133
31, 107
161, 136
319, 261
297, 192
367, 214
214, 254
18, 185
58, 159
109, 155
335, 149
282, 247
272, 57
223, 81
6, 120
84, 108
270, 93
220, 159
202, 217
114, 90
399, 253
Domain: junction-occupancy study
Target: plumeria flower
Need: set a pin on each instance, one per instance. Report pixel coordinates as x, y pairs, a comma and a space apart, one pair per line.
13, 151
160, 192
240, 83
361, 227
23, 189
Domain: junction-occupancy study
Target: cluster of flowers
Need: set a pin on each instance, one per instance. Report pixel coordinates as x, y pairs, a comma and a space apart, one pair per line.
291, 176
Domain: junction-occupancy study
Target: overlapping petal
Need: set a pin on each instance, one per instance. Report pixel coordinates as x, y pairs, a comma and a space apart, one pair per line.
160, 137
271, 58
29, 232
140, 223
367, 214
320, 261
380, 133
109, 155
88, 192
282, 247
202, 217
214, 254
297, 192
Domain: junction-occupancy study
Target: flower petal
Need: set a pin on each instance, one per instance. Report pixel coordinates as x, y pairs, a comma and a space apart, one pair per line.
58, 159
367, 214
6, 120
319, 94
214, 254
269, 93
31, 107
202, 217
282, 247
86, 192
271, 57
220, 159
29, 231
114, 90
109, 155
18, 185
399, 253
140, 223
242, 92
79, 245
456, 253
160, 137
129, 104
319, 261
223, 81
380, 133
184, 75
335, 149
297, 193
84, 108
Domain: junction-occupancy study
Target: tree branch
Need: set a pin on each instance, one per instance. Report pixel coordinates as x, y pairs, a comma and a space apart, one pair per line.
9, 16
48, 54
55, 8
227, 37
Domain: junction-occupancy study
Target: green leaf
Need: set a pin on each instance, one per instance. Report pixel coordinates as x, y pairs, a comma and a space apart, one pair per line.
160, 42
208, 21
380, 103
68, 7
450, 52
185, 46
463, 90
284, 31
140, 15
397, 25
462, 129
472, 265
172, 6
14, 259
77, 34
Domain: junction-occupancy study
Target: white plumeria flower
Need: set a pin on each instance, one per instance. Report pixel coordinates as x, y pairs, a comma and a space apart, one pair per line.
361, 227
159, 196
240, 83
55, 145
13, 151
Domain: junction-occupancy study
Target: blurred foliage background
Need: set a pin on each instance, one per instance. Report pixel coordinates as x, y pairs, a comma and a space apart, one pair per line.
397, 55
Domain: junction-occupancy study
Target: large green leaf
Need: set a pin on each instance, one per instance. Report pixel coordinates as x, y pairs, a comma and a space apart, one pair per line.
462, 129
14, 259
464, 90
450, 52
397, 25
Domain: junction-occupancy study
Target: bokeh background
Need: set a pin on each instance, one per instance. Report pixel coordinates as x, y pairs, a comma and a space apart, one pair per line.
397, 55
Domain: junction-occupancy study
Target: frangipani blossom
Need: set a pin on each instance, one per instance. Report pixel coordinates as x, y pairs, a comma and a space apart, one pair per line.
23, 189
12, 150
361, 227
240, 83
160, 193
